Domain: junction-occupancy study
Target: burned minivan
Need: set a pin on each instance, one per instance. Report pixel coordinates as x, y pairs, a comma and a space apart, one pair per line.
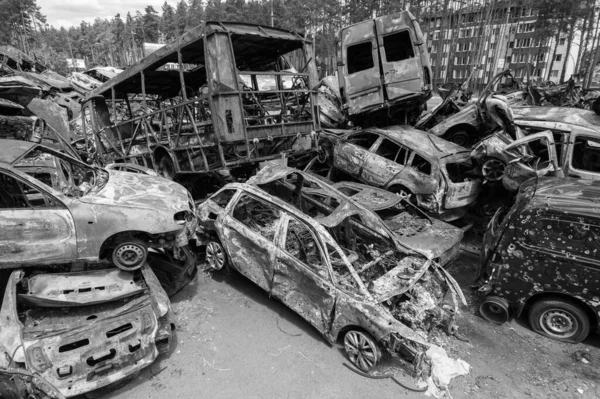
384, 70
541, 257
330, 260
80, 331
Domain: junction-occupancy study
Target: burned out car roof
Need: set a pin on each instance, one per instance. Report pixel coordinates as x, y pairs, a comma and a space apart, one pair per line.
566, 194
88, 333
573, 116
427, 143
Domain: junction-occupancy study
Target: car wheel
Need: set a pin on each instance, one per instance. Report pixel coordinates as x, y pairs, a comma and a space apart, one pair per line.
402, 191
130, 255
459, 137
361, 349
486, 208
493, 169
559, 319
215, 255
166, 168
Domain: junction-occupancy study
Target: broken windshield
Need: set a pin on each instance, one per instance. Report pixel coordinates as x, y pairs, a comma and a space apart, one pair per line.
74, 178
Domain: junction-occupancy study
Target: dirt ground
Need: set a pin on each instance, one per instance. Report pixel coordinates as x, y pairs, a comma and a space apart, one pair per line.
233, 341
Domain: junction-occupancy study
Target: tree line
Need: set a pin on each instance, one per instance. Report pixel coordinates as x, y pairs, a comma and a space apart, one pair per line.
118, 41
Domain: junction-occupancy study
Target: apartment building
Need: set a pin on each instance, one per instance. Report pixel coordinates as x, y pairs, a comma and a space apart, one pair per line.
494, 39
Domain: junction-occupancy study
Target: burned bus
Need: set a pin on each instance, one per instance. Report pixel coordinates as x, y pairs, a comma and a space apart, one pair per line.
222, 97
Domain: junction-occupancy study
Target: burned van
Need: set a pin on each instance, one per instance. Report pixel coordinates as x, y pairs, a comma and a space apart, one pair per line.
542, 257
384, 70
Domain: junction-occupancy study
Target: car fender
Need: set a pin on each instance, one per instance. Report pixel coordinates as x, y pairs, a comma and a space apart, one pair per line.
467, 116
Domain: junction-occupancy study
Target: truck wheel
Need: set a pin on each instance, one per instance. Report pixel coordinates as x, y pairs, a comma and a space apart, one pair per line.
559, 319
215, 255
130, 255
361, 349
166, 168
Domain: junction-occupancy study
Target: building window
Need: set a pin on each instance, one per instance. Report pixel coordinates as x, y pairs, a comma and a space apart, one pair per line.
554, 73
542, 57
561, 41
558, 57
509, 59
526, 42
511, 45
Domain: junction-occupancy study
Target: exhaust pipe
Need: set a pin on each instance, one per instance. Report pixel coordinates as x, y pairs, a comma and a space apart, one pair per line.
495, 310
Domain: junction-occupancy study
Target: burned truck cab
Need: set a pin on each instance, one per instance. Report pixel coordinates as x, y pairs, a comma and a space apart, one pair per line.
384, 70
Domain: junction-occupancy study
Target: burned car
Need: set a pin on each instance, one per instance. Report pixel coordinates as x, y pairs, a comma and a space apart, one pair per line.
434, 173
411, 225
81, 331
549, 141
56, 209
541, 258
472, 121
338, 266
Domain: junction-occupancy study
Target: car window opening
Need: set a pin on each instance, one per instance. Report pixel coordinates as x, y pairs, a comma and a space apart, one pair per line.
257, 216
359, 57
398, 46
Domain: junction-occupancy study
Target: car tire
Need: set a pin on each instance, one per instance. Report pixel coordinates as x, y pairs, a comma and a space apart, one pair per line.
361, 349
166, 168
130, 255
493, 169
559, 319
459, 137
215, 255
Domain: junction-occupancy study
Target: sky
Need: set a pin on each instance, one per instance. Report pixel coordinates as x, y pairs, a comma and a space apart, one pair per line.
71, 12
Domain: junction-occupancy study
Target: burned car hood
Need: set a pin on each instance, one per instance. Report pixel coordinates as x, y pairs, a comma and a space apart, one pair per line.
140, 191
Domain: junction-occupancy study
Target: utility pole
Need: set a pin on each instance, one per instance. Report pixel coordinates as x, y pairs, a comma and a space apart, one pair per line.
272, 16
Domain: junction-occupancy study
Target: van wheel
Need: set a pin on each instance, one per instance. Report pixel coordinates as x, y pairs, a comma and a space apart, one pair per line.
361, 349
215, 255
559, 319
166, 168
130, 255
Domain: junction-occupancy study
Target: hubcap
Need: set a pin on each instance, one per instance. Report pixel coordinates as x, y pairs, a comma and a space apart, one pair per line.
130, 255
359, 350
215, 255
558, 323
493, 169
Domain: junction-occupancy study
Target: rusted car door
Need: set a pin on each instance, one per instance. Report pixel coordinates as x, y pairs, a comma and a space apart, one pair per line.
359, 68
249, 231
402, 72
349, 155
383, 163
545, 160
35, 227
301, 277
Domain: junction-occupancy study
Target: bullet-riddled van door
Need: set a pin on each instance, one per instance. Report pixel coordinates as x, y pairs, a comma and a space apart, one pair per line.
360, 67
400, 59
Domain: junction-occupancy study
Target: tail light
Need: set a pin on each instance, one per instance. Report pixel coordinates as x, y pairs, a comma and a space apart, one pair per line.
426, 76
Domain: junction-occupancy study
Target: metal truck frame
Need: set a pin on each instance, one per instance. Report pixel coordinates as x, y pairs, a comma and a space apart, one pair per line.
222, 96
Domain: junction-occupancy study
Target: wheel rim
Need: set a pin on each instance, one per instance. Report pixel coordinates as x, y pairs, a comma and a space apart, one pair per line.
360, 350
215, 255
559, 323
493, 169
130, 256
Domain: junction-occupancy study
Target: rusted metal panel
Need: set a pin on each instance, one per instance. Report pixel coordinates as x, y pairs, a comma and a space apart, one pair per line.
80, 288
83, 348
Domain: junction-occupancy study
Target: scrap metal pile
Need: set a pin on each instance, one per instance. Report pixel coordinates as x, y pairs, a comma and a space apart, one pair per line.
356, 238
